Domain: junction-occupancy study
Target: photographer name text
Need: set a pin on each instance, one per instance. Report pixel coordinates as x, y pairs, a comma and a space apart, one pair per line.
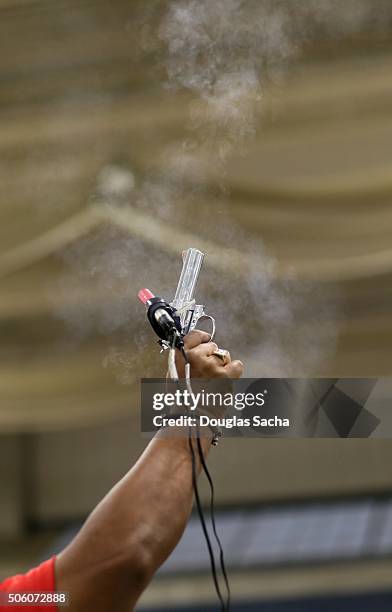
160, 421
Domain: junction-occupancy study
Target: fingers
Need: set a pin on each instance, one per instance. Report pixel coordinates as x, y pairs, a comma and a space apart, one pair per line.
195, 338
204, 363
235, 369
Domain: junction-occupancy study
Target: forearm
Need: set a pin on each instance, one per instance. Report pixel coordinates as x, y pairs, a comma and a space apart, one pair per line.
150, 507
138, 524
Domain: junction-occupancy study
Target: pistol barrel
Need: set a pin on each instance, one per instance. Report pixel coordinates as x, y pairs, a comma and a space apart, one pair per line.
193, 260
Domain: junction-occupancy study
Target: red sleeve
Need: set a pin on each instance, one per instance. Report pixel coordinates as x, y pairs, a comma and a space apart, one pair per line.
37, 580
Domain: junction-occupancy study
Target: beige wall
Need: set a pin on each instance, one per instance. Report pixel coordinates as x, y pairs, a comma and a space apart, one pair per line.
71, 471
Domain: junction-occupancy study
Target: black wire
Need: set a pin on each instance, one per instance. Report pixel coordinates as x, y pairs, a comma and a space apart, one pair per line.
204, 526
225, 607
213, 522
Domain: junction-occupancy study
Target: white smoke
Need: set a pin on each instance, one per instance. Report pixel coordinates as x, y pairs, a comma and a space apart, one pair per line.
227, 54
214, 50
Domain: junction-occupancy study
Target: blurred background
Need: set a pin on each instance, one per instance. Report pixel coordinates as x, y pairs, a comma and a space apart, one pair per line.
259, 132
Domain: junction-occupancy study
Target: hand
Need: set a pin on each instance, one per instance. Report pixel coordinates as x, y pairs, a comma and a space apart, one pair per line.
203, 363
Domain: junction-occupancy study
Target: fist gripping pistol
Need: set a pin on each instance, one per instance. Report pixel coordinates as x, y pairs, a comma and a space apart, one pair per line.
172, 321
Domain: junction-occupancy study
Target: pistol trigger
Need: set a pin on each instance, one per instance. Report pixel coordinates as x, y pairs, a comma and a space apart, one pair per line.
213, 327
206, 316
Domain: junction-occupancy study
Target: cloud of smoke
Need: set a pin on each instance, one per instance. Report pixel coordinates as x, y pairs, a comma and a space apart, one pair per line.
214, 50
227, 53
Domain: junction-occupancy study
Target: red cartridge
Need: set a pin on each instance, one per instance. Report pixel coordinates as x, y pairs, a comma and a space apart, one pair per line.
145, 296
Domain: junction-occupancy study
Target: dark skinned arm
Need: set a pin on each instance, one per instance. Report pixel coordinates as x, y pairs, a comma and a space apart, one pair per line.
139, 523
